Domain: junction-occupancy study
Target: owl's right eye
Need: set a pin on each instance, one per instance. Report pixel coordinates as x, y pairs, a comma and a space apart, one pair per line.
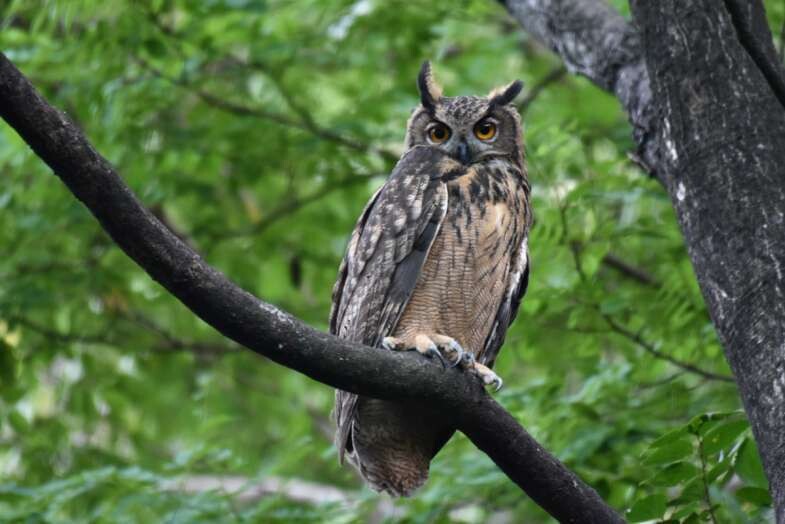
438, 133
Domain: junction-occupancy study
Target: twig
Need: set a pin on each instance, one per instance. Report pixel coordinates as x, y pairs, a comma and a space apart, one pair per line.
575, 249
308, 125
167, 342
629, 270
649, 348
287, 209
705, 479
554, 75
247, 490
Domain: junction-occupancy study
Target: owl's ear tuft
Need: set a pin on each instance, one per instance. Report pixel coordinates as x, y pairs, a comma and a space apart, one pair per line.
501, 96
430, 91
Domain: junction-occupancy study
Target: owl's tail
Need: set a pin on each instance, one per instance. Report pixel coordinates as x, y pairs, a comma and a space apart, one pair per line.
392, 444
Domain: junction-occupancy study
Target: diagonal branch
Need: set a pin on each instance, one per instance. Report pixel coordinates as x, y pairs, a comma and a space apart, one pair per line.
277, 335
656, 353
554, 75
595, 41
304, 122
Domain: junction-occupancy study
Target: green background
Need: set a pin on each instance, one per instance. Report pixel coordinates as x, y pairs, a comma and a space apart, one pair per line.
257, 130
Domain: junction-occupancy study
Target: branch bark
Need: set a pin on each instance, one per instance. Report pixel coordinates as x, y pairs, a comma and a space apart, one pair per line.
277, 335
707, 74
595, 41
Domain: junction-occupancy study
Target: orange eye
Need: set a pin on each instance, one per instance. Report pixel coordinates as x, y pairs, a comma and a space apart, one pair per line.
438, 133
485, 130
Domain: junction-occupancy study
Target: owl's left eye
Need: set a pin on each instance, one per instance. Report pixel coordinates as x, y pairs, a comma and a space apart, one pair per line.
485, 130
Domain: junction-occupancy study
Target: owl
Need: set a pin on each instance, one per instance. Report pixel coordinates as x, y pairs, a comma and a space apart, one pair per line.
438, 263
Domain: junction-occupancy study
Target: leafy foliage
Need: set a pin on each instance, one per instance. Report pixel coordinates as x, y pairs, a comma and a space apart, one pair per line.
257, 130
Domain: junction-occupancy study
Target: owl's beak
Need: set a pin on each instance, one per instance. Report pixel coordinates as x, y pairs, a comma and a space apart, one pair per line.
463, 154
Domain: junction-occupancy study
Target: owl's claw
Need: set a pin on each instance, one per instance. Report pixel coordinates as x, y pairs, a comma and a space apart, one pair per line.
425, 346
441, 347
392, 344
422, 344
450, 346
487, 376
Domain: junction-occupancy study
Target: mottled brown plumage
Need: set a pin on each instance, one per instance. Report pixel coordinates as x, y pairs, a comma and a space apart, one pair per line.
438, 262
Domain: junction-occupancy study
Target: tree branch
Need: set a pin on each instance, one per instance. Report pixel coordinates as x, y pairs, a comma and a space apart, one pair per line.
593, 40
554, 75
277, 335
656, 353
628, 270
304, 122
247, 490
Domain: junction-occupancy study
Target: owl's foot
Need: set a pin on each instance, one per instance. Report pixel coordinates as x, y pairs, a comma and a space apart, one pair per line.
444, 347
485, 373
422, 344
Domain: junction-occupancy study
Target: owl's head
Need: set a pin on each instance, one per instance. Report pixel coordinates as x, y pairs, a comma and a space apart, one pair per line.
469, 128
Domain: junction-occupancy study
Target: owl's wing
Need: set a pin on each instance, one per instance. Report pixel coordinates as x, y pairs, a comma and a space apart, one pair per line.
517, 282
385, 256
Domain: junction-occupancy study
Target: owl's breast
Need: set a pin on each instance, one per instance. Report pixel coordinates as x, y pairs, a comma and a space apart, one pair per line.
464, 278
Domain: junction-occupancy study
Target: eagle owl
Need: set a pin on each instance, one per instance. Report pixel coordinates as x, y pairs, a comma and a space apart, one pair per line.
438, 263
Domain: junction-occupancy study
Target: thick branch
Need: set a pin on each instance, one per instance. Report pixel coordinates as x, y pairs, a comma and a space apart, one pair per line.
593, 40
270, 332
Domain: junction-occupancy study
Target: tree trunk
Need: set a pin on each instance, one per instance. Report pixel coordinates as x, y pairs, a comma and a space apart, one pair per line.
709, 122
723, 163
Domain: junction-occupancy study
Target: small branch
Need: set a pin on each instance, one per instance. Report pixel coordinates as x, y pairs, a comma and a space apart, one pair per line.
277, 335
595, 41
308, 125
246, 490
705, 479
649, 348
288, 208
167, 342
628, 270
54, 335
556, 74
575, 249
752, 29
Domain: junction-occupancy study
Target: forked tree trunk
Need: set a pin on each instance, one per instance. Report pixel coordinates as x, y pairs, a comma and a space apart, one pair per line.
703, 87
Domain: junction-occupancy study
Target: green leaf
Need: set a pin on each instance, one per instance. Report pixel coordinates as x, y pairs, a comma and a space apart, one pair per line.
694, 490
723, 436
18, 421
702, 423
669, 437
673, 474
669, 452
757, 496
648, 508
8, 365
748, 465
683, 512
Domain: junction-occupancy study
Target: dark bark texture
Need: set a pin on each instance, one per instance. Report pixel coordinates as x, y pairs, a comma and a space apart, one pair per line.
708, 118
278, 336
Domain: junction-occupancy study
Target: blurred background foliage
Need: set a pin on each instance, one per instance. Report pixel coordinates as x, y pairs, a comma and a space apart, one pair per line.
257, 130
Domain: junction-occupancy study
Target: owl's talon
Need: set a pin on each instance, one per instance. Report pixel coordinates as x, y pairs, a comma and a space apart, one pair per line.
433, 351
449, 347
487, 376
467, 360
392, 344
